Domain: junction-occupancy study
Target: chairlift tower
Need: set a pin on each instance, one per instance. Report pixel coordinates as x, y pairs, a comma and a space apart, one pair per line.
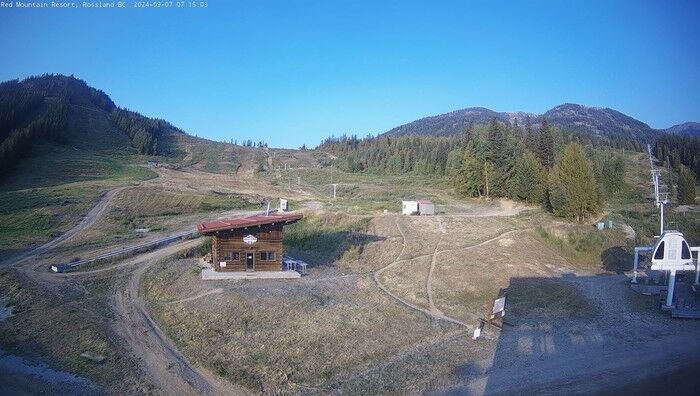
671, 251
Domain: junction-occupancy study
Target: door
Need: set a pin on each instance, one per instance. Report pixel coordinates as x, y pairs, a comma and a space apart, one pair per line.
249, 265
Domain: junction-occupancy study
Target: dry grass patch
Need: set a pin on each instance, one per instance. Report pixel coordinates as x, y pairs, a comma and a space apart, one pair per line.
407, 280
281, 336
465, 282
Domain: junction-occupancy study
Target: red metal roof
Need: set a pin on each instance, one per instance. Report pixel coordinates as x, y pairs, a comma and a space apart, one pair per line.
242, 222
424, 201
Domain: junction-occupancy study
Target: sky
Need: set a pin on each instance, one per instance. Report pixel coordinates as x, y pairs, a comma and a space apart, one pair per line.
295, 72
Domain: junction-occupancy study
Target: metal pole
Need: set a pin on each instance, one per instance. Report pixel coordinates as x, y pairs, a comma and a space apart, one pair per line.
662, 218
697, 264
671, 286
636, 263
638, 250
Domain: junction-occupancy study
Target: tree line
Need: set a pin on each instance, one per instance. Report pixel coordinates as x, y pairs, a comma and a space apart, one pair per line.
38, 107
564, 172
681, 154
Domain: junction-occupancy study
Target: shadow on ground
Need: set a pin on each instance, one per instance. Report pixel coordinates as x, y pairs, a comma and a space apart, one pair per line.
583, 335
323, 248
617, 259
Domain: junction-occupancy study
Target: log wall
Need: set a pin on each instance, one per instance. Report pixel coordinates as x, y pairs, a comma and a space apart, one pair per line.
269, 239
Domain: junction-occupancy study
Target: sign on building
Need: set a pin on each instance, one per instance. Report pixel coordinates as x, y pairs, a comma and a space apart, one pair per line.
250, 239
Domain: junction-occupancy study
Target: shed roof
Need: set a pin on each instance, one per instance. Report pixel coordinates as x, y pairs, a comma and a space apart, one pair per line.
425, 201
242, 222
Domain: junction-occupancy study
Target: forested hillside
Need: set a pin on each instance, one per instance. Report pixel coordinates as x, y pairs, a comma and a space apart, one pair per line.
682, 155
61, 109
565, 172
595, 123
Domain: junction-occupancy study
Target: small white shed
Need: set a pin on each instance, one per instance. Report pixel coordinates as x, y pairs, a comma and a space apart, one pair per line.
409, 208
421, 207
426, 207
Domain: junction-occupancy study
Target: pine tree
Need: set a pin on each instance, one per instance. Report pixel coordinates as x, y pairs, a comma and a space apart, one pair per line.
545, 145
531, 137
686, 186
490, 173
499, 155
469, 181
530, 179
573, 188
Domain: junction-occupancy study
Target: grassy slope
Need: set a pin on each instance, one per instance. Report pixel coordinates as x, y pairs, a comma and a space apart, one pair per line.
632, 206
49, 191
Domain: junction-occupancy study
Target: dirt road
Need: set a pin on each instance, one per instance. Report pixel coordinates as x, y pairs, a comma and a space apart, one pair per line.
166, 368
90, 218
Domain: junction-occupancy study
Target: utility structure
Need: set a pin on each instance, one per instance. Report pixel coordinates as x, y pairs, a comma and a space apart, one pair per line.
671, 253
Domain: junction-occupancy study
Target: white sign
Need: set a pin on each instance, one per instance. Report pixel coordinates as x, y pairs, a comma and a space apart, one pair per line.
222, 264
499, 306
250, 239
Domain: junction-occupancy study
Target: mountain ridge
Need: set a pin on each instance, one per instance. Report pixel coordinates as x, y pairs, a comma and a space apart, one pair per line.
601, 122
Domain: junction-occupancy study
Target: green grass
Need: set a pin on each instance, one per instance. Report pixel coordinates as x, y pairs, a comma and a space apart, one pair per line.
322, 238
363, 192
584, 245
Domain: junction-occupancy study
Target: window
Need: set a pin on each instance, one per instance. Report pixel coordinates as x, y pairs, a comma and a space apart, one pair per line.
231, 256
267, 256
659, 254
685, 253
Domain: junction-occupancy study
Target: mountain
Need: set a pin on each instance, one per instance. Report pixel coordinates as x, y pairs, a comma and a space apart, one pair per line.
686, 128
457, 121
56, 129
600, 122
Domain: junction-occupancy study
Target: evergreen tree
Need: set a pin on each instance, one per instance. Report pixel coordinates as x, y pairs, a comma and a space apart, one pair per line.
531, 142
573, 188
454, 159
469, 181
490, 173
499, 154
545, 145
686, 186
530, 179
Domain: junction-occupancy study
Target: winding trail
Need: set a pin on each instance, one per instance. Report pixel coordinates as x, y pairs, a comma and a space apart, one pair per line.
197, 296
90, 218
166, 367
433, 311
429, 283
399, 299
161, 362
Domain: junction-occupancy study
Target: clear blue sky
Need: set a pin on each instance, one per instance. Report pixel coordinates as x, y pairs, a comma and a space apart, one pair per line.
293, 72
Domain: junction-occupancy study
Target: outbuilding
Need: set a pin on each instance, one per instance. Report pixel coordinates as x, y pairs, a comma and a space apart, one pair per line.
426, 207
248, 244
421, 207
409, 207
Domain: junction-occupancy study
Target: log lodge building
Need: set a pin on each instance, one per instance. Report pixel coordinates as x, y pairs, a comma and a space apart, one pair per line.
248, 244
